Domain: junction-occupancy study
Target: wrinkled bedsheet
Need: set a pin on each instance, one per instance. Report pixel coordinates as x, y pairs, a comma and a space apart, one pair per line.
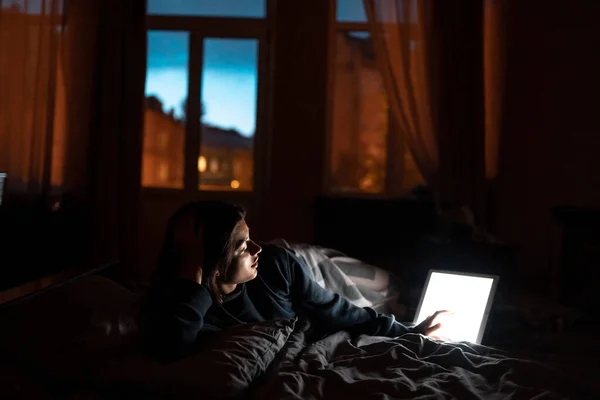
408, 367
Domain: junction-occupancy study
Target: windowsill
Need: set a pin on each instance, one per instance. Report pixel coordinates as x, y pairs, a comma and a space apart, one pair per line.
403, 195
170, 192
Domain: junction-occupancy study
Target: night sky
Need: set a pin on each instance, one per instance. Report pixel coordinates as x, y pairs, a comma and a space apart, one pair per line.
228, 84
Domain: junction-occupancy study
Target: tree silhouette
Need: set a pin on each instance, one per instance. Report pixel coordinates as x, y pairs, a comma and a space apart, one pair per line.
184, 108
154, 103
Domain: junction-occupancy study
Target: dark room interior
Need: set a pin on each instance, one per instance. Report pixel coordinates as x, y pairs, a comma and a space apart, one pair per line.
396, 136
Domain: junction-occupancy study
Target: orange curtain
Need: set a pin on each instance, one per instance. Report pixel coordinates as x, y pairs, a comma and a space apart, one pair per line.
494, 58
29, 50
443, 67
402, 36
71, 116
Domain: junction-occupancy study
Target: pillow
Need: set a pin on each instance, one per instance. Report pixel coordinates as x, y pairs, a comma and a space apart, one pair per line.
223, 368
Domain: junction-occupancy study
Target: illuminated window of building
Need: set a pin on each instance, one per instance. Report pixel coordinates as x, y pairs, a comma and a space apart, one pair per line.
164, 117
201, 164
225, 165
367, 153
229, 96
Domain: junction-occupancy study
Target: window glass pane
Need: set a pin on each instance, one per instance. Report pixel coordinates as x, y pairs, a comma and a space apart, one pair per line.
164, 115
361, 122
229, 91
351, 11
209, 8
354, 11
33, 7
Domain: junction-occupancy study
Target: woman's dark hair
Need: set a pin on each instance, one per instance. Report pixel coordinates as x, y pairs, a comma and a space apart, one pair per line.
218, 220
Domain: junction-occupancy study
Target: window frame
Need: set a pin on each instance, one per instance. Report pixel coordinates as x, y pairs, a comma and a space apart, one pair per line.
199, 28
394, 171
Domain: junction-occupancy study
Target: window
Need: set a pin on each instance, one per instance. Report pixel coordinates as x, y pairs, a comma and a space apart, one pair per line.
354, 11
209, 8
205, 60
229, 83
164, 113
350, 11
34, 7
367, 154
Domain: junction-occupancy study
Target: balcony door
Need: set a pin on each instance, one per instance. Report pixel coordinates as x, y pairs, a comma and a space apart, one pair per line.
205, 105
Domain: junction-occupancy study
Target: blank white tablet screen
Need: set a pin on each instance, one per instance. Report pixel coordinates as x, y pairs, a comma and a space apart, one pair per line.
465, 296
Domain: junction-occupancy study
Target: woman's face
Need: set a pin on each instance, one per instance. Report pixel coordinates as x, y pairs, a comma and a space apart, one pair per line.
243, 267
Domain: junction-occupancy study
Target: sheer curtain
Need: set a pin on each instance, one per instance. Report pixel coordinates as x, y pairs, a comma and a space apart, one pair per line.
494, 58
30, 36
442, 65
72, 77
402, 39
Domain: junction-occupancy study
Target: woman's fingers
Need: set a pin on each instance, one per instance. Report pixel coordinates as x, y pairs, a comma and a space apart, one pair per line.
432, 329
437, 313
429, 327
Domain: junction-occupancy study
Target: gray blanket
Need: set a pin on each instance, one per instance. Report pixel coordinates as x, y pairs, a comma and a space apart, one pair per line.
409, 367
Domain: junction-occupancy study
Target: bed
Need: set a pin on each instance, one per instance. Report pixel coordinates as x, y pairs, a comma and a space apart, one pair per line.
80, 339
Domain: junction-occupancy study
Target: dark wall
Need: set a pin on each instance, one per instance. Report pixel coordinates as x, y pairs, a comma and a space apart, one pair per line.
373, 229
551, 133
298, 118
36, 241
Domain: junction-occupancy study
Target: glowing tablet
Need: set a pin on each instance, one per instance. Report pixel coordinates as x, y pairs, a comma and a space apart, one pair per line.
467, 296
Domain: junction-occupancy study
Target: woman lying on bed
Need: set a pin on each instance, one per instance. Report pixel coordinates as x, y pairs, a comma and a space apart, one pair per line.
211, 275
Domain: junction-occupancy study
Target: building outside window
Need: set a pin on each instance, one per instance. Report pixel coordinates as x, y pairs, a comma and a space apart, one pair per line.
364, 157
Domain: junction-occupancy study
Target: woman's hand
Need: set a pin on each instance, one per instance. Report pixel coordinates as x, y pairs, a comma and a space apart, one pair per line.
427, 327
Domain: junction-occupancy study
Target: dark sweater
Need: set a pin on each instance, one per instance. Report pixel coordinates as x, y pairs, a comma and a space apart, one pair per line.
180, 313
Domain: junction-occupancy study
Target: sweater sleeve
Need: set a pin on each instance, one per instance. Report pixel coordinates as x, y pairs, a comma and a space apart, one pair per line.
333, 312
173, 317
